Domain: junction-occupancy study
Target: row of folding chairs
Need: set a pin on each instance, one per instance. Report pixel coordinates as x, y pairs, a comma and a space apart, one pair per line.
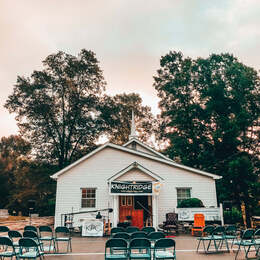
27, 248
131, 229
139, 248
140, 234
5, 229
220, 235
250, 239
152, 237
216, 236
15, 236
44, 236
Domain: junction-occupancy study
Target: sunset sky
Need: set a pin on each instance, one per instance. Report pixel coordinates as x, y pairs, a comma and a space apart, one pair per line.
128, 37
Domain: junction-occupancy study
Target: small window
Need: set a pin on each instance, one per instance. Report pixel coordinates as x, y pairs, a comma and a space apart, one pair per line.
126, 200
88, 197
183, 194
129, 200
123, 200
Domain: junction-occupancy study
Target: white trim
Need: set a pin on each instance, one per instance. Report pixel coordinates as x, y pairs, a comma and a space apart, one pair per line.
56, 175
154, 220
116, 210
221, 214
146, 147
84, 208
155, 158
135, 165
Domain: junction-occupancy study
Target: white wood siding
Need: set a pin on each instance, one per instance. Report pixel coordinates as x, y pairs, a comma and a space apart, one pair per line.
95, 171
135, 175
142, 149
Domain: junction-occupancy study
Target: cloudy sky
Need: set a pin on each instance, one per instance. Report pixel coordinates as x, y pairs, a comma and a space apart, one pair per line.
128, 37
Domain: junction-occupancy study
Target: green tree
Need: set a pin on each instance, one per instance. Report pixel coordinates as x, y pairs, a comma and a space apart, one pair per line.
210, 117
117, 113
13, 150
4, 186
33, 182
22, 179
14, 147
58, 107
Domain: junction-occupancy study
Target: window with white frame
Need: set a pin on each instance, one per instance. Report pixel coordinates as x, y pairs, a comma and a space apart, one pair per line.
183, 194
88, 197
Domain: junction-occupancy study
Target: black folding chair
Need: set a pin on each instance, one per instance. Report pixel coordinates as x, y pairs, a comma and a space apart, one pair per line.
115, 230
46, 235
15, 235
246, 241
218, 238
154, 236
33, 235
29, 249
207, 232
8, 248
30, 228
131, 229
62, 234
257, 242
148, 230
164, 248
140, 248
4, 231
116, 248
123, 235
138, 234
231, 233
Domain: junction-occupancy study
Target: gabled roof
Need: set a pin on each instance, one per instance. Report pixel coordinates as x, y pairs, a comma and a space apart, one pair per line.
145, 146
132, 151
135, 165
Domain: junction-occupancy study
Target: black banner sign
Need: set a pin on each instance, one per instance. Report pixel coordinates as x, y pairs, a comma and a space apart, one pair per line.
120, 187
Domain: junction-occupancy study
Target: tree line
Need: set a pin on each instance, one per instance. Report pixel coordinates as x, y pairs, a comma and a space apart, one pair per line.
209, 120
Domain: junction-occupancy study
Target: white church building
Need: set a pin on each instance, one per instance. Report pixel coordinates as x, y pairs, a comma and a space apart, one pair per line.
134, 180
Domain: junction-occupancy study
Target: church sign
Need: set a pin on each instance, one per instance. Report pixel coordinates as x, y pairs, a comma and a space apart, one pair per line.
92, 228
130, 187
210, 214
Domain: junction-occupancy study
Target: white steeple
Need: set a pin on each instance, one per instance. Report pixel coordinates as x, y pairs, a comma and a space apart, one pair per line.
133, 132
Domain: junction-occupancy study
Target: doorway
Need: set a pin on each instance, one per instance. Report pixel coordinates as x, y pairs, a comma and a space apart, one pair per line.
125, 208
136, 209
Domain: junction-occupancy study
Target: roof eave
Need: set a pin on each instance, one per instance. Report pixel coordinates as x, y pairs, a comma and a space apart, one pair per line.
138, 166
122, 148
56, 175
147, 147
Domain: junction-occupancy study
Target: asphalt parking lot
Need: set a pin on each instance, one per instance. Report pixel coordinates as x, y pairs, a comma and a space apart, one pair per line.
93, 248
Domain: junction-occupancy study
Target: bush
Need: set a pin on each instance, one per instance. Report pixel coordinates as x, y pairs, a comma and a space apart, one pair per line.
232, 216
47, 208
191, 203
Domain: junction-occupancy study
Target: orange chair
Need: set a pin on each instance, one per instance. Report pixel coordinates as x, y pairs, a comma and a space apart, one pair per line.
199, 223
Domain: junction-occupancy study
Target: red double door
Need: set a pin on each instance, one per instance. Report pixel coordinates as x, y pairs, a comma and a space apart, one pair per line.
126, 208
